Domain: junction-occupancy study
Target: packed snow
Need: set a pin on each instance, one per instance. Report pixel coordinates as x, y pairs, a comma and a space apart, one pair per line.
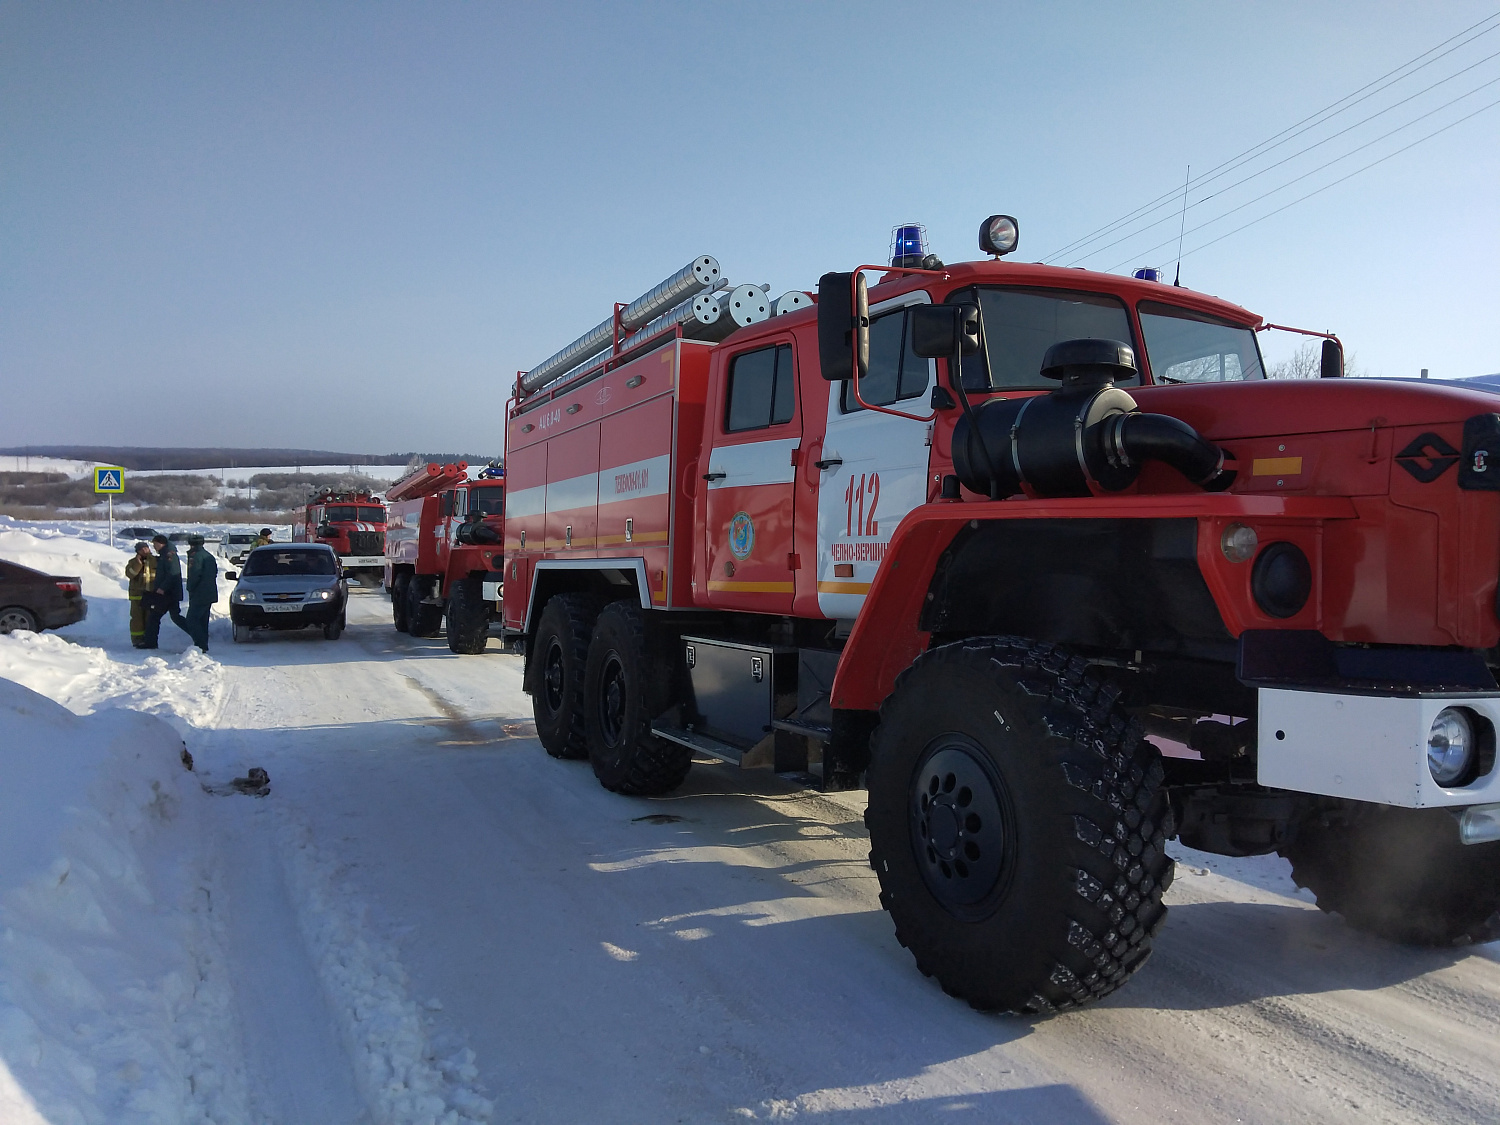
429, 920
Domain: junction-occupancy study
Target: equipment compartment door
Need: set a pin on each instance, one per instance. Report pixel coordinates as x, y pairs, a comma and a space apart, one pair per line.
876, 464
750, 546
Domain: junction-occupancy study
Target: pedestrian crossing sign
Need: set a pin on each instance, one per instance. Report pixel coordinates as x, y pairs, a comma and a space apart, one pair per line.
109, 478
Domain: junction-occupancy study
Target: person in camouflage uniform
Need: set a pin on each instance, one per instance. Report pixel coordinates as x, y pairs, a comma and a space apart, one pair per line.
141, 571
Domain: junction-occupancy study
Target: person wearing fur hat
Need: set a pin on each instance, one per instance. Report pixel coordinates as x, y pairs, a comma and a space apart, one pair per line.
202, 590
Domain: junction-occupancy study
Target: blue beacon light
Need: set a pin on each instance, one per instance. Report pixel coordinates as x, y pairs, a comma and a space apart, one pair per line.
1148, 273
908, 244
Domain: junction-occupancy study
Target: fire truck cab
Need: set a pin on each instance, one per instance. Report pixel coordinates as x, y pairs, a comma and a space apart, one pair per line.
353, 524
1043, 559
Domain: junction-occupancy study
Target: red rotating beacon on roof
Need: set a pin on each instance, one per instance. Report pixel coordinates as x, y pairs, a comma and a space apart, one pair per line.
1043, 559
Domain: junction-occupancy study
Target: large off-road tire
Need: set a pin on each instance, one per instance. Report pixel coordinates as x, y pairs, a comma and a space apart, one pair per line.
1017, 822
627, 682
1402, 874
422, 620
468, 617
398, 601
555, 674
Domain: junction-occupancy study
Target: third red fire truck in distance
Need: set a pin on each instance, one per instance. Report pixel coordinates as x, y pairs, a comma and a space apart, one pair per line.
353, 524
991, 537
443, 552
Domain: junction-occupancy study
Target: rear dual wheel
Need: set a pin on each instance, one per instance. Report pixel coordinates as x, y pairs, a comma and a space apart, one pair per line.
398, 602
628, 680
555, 674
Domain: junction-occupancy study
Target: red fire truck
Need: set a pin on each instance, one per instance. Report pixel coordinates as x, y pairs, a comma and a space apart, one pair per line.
1043, 559
353, 524
443, 552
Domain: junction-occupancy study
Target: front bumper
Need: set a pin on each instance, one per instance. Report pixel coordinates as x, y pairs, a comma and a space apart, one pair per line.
1366, 747
310, 613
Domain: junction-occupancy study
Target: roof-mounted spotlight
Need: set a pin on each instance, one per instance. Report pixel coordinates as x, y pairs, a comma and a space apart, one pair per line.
999, 234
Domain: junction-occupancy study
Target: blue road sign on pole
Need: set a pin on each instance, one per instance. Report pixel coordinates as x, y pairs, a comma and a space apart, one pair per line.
109, 478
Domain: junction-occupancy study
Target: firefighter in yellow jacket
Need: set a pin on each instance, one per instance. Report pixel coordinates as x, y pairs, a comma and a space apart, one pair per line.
141, 571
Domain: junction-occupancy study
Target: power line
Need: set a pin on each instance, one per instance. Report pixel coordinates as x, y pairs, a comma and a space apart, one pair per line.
1309, 148
1325, 187
1357, 96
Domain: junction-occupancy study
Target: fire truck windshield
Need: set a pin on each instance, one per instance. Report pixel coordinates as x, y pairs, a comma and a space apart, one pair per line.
351, 513
1190, 347
1019, 325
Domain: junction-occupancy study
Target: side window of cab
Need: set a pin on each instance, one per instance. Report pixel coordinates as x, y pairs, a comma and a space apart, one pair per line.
762, 389
895, 373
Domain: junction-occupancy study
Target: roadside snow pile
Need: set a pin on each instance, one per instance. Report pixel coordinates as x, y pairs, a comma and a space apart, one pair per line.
114, 1000
185, 690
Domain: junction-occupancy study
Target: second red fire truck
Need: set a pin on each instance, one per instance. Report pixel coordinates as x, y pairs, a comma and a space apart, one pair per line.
353, 524
443, 553
990, 538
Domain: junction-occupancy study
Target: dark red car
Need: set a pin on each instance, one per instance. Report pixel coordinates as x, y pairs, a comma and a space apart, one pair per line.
31, 601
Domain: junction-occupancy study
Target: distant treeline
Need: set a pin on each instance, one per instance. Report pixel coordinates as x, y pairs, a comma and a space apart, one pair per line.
172, 489
207, 457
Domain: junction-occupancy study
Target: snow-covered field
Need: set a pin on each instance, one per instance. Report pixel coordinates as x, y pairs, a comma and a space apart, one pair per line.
428, 919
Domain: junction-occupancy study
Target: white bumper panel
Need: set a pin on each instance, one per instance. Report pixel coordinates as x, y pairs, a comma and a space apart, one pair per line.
362, 560
490, 591
1366, 748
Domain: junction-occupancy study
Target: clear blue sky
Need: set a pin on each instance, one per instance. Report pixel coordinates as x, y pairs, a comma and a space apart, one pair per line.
348, 226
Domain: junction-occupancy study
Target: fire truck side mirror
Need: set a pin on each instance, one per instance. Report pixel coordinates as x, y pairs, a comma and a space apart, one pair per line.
937, 331
843, 326
1332, 366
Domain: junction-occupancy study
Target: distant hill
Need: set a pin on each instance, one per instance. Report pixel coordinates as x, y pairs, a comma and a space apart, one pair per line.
210, 457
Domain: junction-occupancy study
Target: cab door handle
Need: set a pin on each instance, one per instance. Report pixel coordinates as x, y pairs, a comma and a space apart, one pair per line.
829, 463
715, 474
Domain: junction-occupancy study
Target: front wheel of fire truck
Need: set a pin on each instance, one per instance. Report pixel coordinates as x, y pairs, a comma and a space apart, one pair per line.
555, 673
468, 618
1402, 874
626, 683
1017, 822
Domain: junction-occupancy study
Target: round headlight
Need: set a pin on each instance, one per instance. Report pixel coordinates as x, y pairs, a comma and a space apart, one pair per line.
1281, 580
1239, 542
1451, 746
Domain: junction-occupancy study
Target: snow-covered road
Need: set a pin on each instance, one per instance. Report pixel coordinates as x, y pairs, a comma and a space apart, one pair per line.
720, 954
429, 919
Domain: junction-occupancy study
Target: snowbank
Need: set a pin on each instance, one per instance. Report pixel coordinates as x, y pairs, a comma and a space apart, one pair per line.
114, 1000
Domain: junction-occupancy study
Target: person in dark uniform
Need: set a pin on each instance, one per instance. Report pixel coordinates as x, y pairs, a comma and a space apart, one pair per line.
202, 590
166, 595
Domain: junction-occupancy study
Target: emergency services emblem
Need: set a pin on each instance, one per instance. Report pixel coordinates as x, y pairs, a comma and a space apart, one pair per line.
741, 535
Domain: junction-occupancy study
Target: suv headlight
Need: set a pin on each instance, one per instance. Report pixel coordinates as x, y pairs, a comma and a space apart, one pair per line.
324, 595
243, 596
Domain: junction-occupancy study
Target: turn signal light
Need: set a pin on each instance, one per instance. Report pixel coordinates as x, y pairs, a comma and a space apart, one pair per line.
1239, 543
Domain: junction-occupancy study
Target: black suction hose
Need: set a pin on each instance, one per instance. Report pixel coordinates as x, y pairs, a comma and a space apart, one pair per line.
1131, 439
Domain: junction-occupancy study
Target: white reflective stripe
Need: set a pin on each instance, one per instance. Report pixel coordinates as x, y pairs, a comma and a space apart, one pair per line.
637, 480
526, 502
756, 462
573, 492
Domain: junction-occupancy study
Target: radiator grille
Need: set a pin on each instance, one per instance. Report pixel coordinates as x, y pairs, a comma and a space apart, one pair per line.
367, 542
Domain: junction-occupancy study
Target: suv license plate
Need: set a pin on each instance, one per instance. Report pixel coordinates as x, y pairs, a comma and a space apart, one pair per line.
283, 607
